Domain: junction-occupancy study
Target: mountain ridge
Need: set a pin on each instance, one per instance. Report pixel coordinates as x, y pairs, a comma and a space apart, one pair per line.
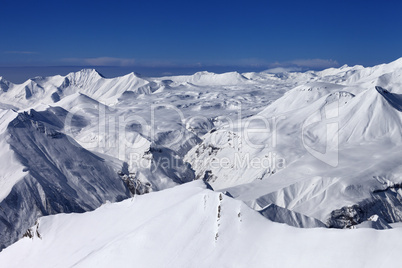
332, 139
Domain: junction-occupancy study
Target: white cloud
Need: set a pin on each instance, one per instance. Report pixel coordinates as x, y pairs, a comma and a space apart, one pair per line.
283, 70
293, 65
302, 65
101, 61
315, 63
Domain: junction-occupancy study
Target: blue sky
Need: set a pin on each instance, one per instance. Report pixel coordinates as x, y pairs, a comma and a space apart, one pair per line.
180, 34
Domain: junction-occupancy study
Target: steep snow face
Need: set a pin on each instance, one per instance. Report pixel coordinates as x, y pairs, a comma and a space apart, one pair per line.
190, 225
83, 78
11, 169
282, 215
48, 173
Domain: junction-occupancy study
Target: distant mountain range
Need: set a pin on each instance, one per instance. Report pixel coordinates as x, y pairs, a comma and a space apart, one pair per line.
315, 149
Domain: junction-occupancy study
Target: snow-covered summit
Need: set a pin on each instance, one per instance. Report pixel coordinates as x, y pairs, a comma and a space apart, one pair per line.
332, 141
84, 77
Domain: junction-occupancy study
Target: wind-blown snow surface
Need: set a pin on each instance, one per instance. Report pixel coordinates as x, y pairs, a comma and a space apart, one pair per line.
312, 149
189, 226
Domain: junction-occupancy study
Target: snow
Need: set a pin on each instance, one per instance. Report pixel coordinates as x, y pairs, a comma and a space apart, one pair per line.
43, 172
191, 226
210, 79
11, 170
307, 149
130, 123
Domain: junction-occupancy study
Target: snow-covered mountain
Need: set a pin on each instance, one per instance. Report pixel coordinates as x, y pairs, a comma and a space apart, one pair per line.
71, 143
329, 147
44, 172
312, 149
192, 226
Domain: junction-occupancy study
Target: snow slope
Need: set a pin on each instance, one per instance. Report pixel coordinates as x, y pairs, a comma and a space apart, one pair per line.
44, 172
311, 149
191, 226
325, 147
72, 142
12, 170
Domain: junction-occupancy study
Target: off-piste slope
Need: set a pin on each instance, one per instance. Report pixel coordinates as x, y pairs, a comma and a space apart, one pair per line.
45, 172
192, 226
324, 148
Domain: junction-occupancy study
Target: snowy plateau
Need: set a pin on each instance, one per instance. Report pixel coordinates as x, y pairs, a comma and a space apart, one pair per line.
283, 169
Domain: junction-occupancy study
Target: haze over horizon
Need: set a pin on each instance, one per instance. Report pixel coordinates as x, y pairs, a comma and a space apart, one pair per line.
200, 133
160, 38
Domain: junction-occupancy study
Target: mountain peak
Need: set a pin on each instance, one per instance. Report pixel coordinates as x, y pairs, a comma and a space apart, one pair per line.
84, 77
132, 74
90, 72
